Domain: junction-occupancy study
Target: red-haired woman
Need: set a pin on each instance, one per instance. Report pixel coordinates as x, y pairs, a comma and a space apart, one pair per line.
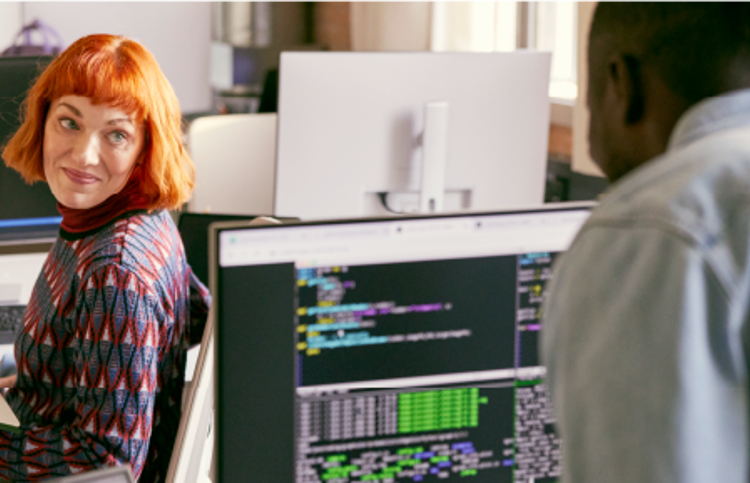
101, 355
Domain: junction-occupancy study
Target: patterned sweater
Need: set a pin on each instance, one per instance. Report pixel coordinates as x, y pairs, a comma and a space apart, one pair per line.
101, 356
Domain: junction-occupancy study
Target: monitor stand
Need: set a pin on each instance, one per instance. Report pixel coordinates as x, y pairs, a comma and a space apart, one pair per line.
434, 154
432, 193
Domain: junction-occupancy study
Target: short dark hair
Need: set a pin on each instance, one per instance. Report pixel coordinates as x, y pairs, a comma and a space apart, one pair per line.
698, 49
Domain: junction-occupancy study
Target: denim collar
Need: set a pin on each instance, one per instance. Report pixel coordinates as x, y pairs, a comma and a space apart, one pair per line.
710, 115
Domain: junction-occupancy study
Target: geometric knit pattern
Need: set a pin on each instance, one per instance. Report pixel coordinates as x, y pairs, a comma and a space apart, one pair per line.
101, 355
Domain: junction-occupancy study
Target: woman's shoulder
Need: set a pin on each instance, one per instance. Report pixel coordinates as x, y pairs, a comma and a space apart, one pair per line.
138, 242
148, 238
156, 226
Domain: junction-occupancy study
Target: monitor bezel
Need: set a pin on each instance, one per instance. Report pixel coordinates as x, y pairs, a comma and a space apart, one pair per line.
216, 229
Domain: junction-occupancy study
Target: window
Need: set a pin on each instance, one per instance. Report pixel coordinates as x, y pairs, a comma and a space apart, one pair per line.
507, 26
556, 32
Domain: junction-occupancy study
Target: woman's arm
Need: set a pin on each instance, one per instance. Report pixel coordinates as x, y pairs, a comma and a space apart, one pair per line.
111, 381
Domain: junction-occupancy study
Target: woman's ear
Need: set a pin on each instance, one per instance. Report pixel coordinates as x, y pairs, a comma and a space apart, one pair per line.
141, 157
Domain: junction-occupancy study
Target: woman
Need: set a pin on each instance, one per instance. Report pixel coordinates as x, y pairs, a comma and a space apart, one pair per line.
101, 356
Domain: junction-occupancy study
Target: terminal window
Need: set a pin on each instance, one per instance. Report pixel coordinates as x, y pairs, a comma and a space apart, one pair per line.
423, 371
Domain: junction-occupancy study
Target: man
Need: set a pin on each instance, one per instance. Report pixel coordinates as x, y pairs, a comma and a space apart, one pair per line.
647, 337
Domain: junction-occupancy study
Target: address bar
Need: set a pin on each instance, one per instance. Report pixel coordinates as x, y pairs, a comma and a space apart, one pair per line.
403, 249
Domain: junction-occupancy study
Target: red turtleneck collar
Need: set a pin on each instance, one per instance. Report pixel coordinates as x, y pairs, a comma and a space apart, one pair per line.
130, 198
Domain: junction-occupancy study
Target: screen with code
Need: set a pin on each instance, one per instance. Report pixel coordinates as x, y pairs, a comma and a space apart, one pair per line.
408, 367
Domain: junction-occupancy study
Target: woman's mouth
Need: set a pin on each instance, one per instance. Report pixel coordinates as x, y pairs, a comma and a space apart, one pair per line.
79, 177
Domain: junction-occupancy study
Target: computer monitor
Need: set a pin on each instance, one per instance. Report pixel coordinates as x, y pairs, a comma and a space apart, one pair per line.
401, 349
26, 211
355, 129
36, 228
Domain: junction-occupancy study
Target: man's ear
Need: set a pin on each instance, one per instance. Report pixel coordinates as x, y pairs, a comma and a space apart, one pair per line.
625, 74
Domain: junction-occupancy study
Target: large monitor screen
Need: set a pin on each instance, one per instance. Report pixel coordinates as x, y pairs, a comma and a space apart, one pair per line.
395, 350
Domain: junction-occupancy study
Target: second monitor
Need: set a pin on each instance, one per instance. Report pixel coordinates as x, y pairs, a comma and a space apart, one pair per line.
26, 211
355, 130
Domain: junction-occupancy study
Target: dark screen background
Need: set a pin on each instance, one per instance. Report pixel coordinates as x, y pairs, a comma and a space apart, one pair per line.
481, 291
17, 198
255, 374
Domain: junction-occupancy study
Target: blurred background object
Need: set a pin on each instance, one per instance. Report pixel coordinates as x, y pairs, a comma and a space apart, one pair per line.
36, 38
223, 57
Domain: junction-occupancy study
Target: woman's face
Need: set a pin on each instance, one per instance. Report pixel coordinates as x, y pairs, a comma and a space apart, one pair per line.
89, 151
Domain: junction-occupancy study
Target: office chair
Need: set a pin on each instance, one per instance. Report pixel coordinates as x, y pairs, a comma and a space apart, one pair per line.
235, 157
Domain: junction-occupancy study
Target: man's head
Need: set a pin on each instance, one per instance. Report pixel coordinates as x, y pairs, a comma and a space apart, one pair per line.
648, 63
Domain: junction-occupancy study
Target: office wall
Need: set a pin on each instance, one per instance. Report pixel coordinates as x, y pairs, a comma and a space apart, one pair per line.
177, 33
384, 26
10, 22
420, 26
333, 25
292, 23
582, 161
291, 28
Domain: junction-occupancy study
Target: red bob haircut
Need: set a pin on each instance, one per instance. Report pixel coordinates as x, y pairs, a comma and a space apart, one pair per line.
117, 72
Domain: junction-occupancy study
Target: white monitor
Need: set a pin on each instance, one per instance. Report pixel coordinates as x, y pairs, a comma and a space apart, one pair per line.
352, 126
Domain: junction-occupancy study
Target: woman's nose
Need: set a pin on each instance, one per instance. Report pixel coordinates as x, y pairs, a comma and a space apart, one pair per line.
86, 150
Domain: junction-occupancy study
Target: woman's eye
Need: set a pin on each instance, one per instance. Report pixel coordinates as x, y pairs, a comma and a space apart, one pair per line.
117, 137
68, 123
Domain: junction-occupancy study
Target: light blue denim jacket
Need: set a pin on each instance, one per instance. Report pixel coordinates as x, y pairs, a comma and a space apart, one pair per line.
646, 325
